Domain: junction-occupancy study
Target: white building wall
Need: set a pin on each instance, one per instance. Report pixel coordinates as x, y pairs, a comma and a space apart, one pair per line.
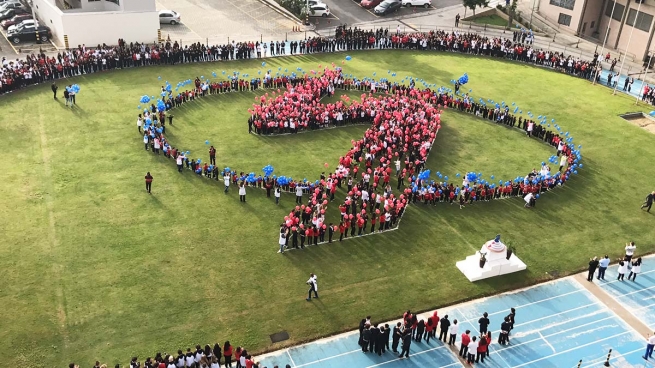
133, 21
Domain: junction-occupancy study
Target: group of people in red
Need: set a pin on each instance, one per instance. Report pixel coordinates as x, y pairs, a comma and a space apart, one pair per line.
404, 124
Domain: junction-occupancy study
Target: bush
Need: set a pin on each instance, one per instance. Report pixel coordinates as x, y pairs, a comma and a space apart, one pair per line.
297, 7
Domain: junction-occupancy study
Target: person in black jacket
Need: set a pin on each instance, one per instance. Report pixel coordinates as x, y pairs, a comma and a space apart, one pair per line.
593, 265
503, 337
366, 338
649, 201
379, 343
484, 322
444, 324
407, 341
54, 89
420, 329
397, 334
362, 326
387, 332
511, 315
374, 337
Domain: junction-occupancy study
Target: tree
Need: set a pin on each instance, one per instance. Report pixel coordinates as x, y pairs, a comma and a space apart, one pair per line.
511, 13
473, 4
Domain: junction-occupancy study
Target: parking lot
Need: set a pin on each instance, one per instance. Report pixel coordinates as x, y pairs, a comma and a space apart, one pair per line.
350, 12
216, 21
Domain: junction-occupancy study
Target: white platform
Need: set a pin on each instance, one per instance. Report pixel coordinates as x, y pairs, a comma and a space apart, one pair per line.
496, 265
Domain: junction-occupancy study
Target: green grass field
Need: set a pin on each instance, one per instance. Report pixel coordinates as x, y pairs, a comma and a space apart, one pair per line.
94, 268
493, 19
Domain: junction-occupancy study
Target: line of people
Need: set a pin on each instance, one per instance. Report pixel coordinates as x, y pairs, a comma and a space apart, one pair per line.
374, 337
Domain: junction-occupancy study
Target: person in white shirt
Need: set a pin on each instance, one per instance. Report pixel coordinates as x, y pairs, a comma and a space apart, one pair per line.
636, 268
650, 344
242, 193
313, 286
454, 328
562, 162
602, 266
226, 181
139, 122
278, 193
397, 166
630, 250
623, 267
473, 350
299, 189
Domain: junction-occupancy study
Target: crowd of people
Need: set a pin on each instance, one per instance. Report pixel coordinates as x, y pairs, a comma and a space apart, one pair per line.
39, 67
626, 265
374, 337
403, 123
226, 355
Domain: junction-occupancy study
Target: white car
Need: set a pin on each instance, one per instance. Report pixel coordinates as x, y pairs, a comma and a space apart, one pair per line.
423, 3
169, 17
320, 10
28, 23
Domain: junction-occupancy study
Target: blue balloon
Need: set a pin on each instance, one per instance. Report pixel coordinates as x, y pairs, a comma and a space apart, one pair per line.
348, 57
206, 142
263, 63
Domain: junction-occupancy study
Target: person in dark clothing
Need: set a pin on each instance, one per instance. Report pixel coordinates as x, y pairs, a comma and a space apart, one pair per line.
366, 338
396, 337
484, 322
148, 178
593, 265
649, 201
54, 89
374, 338
444, 324
387, 332
407, 341
511, 316
362, 326
420, 329
379, 343
503, 337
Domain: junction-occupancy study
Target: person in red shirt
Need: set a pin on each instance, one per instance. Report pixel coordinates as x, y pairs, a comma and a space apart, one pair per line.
466, 339
482, 349
148, 178
227, 354
342, 230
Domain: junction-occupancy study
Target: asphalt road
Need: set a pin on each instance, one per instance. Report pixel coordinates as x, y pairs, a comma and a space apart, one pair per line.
350, 12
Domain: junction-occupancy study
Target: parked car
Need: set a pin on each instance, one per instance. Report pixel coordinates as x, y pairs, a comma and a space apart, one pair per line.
16, 19
28, 34
10, 13
320, 10
11, 5
370, 4
169, 17
387, 6
29, 23
423, 3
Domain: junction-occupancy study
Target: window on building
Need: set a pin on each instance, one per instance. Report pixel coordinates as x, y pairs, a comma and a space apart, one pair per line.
93, 0
566, 4
641, 20
117, 2
564, 19
618, 10
593, 23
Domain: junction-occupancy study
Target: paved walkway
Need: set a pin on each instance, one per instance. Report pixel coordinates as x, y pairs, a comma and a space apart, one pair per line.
558, 324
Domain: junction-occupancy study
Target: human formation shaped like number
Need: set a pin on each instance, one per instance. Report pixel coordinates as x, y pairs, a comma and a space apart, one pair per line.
403, 123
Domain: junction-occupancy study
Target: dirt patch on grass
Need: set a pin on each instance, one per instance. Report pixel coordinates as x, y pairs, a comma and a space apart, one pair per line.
641, 120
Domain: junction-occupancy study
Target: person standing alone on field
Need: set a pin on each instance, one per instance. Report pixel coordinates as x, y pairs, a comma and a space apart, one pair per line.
629, 251
313, 287
148, 178
54, 89
242, 192
212, 155
457, 20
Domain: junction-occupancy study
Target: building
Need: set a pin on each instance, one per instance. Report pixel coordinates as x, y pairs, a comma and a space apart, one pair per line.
94, 22
590, 19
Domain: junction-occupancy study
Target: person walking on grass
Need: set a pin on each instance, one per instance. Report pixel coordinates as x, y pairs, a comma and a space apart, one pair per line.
148, 182
648, 203
313, 287
602, 266
636, 269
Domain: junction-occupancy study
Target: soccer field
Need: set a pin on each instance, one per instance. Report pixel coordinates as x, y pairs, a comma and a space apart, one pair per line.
96, 269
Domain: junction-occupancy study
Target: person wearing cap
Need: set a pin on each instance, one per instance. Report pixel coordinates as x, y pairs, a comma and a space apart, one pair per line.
593, 264
649, 201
